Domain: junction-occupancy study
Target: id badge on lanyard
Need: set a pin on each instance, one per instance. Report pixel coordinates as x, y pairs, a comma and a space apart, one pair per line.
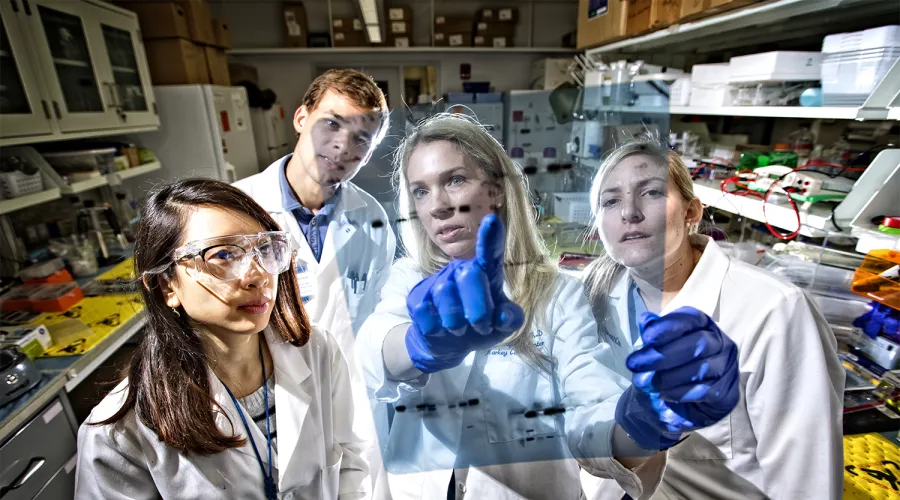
305, 280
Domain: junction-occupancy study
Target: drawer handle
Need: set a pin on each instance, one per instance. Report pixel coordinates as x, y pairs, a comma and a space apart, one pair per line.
29, 471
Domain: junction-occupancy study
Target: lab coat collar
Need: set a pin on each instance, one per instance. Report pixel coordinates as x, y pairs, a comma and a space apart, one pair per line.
704, 286
291, 403
274, 201
346, 220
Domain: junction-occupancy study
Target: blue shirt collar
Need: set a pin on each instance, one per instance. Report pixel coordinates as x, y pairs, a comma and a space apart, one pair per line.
290, 202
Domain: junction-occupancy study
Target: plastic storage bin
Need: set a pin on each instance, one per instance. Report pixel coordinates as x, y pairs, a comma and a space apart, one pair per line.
777, 66
102, 160
855, 63
709, 86
15, 184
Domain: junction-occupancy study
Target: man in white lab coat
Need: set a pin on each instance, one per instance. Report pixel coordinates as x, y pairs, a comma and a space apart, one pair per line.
343, 241
342, 238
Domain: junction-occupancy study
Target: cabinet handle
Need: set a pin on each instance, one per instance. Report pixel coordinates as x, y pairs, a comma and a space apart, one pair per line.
15, 6
57, 111
113, 94
27, 7
46, 109
19, 481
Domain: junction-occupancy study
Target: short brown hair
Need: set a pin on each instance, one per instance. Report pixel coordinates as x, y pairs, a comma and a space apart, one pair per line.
356, 85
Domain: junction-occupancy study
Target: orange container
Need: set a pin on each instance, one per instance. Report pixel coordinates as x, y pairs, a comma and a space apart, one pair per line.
48, 297
61, 276
878, 278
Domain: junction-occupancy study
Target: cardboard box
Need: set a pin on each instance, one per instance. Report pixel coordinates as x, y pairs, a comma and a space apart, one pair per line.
731, 4
492, 41
351, 39
223, 35
199, 19
495, 29
499, 14
347, 24
243, 73
650, 15
400, 13
296, 31
453, 39
217, 65
596, 27
399, 28
693, 9
161, 20
400, 41
453, 24
175, 61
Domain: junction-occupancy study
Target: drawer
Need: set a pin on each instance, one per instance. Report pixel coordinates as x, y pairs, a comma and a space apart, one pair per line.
35, 453
62, 486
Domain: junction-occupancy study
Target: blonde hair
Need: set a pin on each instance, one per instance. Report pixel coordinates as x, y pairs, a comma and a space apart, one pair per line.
602, 274
528, 271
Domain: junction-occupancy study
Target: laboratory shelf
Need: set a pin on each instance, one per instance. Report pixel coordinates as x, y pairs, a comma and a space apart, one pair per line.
29, 200
274, 51
831, 112
121, 175
771, 21
85, 185
814, 223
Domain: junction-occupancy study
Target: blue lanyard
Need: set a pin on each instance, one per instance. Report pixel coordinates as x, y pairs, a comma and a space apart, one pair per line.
270, 489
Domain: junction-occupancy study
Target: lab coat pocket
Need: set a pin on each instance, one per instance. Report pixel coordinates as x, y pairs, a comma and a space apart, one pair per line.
331, 474
712, 443
354, 290
517, 398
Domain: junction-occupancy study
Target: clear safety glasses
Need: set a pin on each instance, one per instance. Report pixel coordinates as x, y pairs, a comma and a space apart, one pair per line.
228, 258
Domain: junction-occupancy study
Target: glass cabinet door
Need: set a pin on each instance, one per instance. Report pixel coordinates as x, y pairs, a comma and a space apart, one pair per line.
22, 111
71, 60
126, 74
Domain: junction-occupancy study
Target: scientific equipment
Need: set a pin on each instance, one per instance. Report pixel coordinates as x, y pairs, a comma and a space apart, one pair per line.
88, 222
18, 372
878, 278
802, 141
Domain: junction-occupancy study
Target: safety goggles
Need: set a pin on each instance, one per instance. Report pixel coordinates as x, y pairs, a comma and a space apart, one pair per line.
228, 258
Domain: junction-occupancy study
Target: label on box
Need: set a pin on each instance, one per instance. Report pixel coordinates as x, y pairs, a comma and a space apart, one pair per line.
438, 37
440, 20
292, 26
401, 42
499, 41
338, 23
398, 27
456, 40
357, 25
487, 14
395, 14
482, 26
338, 36
505, 14
597, 8
479, 40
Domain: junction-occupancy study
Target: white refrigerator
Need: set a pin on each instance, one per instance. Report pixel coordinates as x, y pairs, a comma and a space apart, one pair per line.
205, 131
273, 133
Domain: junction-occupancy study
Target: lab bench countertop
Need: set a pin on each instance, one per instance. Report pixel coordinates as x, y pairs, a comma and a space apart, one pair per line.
66, 372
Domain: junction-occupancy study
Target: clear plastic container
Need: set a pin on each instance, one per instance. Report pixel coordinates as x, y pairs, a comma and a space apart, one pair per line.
102, 160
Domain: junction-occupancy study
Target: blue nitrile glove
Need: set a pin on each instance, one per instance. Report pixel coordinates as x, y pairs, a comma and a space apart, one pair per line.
685, 377
462, 308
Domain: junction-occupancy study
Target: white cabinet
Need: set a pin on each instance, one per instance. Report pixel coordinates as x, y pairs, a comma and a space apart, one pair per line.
86, 71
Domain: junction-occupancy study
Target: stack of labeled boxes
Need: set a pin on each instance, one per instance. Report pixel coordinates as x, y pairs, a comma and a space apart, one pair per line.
496, 27
399, 22
349, 32
453, 31
184, 44
296, 33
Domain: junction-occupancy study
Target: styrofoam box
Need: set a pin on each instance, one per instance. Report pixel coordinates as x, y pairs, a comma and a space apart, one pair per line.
884, 36
716, 97
680, 91
709, 74
777, 66
849, 81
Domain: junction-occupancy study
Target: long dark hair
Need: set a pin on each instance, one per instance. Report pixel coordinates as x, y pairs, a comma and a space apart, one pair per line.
168, 379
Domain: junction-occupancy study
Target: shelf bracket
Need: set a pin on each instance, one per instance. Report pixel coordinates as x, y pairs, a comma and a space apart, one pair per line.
886, 94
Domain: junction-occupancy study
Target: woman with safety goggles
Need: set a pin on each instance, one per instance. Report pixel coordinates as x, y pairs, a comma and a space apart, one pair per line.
227, 343
488, 355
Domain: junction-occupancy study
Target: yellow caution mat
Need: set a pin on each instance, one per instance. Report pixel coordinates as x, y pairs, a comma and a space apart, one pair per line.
871, 468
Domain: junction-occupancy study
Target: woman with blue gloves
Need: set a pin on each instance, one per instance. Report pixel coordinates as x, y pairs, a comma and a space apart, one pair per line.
783, 440
489, 357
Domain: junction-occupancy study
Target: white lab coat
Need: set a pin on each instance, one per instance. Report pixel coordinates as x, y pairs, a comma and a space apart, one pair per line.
352, 245
423, 446
319, 454
784, 439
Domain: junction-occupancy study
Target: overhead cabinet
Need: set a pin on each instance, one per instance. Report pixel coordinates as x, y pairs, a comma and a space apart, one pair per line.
71, 69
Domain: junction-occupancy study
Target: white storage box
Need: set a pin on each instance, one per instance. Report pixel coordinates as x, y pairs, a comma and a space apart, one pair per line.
572, 207
680, 91
15, 184
710, 74
777, 66
875, 38
711, 97
855, 63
